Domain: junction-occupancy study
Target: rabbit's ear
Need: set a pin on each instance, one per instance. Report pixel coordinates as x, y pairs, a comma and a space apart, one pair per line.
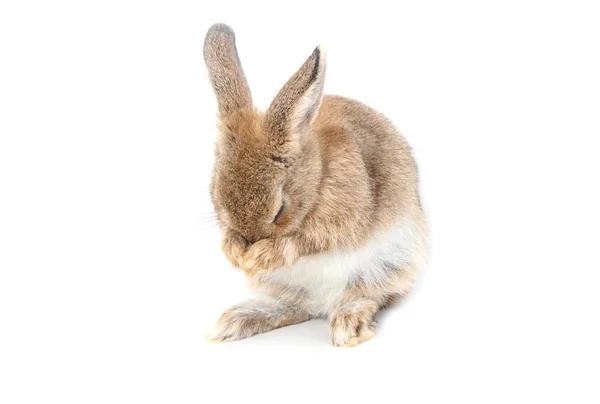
225, 70
296, 106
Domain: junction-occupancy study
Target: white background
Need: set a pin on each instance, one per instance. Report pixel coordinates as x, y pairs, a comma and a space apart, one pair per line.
110, 269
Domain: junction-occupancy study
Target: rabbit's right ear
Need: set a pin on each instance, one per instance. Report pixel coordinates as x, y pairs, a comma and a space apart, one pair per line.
296, 106
225, 70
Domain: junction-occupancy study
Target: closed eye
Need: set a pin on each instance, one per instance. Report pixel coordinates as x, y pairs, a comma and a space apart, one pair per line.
279, 212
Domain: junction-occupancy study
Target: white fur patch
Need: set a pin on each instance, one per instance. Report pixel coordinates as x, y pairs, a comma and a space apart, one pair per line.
325, 276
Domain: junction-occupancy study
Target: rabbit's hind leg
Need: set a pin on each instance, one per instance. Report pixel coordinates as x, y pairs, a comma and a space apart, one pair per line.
255, 316
353, 322
353, 318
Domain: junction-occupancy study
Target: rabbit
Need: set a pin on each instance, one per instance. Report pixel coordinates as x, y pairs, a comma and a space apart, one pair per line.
317, 200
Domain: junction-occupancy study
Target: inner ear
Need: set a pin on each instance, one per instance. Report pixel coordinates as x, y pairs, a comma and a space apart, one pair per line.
307, 109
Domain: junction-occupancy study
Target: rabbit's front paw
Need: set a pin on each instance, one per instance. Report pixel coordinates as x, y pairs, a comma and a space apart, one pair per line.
234, 246
269, 254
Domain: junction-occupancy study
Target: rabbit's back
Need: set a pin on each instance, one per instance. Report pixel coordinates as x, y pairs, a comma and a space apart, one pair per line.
383, 168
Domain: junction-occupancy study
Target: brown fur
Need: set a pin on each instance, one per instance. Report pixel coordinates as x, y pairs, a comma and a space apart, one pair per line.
341, 169
225, 70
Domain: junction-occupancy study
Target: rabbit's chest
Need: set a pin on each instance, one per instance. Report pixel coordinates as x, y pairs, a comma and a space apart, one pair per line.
322, 278
325, 277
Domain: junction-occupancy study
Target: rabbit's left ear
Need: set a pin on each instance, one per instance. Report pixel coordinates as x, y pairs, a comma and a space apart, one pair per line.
225, 70
296, 106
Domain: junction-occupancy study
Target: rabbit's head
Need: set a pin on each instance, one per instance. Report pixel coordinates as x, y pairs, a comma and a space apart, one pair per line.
267, 164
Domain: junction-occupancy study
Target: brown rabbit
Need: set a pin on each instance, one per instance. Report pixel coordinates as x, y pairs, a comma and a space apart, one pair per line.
317, 198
